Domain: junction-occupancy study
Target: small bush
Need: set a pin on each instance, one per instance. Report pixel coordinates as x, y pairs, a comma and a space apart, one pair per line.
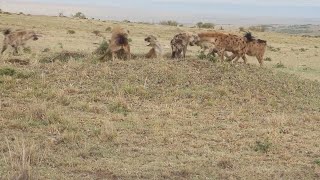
280, 65
119, 107
263, 147
46, 50
7, 72
258, 28
241, 29
211, 56
63, 56
316, 47
268, 59
80, 15
102, 49
97, 33
108, 29
169, 23
71, 32
273, 49
205, 25
303, 49
317, 162
27, 50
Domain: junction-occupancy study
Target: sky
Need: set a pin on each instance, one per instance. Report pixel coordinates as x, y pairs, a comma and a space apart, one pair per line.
183, 10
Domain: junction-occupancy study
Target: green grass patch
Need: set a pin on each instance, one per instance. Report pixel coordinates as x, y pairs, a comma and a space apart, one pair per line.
7, 72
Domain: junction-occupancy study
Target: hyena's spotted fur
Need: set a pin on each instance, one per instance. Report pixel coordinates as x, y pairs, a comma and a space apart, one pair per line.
156, 48
17, 38
180, 42
256, 48
226, 42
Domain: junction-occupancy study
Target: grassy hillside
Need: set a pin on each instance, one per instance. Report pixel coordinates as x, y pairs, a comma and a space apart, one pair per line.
151, 119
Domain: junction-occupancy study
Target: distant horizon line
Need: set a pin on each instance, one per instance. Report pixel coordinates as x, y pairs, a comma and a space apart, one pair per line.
135, 15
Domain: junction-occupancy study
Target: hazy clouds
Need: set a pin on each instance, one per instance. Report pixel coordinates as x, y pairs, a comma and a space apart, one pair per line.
220, 11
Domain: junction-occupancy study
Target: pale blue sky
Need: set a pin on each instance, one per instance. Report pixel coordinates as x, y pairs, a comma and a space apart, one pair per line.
197, 8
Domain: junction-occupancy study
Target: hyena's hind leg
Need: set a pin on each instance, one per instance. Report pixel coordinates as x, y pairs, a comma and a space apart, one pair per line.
16, 50
260, 59
4, 48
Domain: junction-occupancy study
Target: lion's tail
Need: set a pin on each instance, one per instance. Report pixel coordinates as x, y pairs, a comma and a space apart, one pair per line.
6, 32
122, 39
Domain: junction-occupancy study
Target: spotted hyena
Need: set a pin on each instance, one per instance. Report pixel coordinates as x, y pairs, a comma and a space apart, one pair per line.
226, 42
180, 42
256, 48
156, 48
17, 38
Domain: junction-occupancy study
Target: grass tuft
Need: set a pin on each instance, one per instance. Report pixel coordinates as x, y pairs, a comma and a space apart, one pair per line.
7, 72
263, 146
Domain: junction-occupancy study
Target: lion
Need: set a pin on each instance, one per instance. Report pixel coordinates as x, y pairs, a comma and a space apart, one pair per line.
119, 42
180, 42
256, 48
226, 42
17, 38
156, 50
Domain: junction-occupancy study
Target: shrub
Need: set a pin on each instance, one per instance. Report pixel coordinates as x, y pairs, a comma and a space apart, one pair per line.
80, 15
97, 33
63, 56
102, 49
263, 147
169, 23
273, 49
27, 50
303, 49
71, 32
241, 29
108, 29
280, 65
317, 162
211, 56
258, 28
208, 25
120, 108
205, 25
267, 59
7, 72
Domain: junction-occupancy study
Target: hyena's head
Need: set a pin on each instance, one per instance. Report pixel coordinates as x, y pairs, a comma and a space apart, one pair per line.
194, 39
151, 39
32, 35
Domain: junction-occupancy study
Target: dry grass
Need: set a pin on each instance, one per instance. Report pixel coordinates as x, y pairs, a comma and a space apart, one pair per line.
153, 119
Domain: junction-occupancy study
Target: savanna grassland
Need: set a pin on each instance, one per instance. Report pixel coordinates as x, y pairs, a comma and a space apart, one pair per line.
66, 115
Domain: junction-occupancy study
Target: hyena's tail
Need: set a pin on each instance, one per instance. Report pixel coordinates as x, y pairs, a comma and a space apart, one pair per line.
249, 36
6, 32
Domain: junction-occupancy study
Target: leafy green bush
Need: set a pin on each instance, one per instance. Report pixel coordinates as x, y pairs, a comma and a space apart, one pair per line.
80, 15
211, 56
169, 23
261, 28
71, 32
7, 72
102, 49
263, 147
205, 25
